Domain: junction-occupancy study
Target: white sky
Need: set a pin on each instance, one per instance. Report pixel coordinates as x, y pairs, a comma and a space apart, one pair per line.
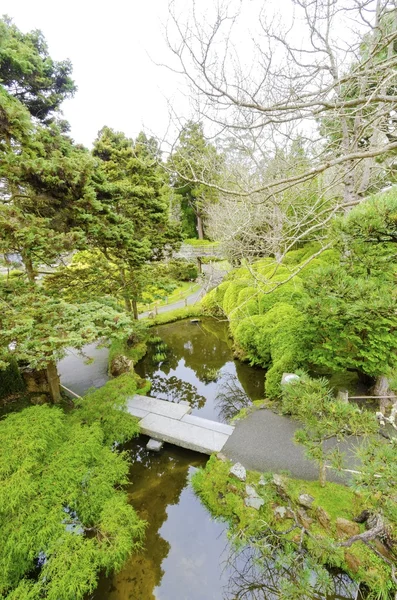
108, 44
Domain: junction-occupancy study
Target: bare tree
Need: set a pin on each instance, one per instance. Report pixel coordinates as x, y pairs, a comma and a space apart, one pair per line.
322, 71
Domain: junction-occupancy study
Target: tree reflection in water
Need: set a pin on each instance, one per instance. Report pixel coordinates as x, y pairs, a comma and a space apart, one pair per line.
253, 576
230, 398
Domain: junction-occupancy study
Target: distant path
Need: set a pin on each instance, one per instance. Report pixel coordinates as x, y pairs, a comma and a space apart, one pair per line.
192, 299
213, 277
263, 441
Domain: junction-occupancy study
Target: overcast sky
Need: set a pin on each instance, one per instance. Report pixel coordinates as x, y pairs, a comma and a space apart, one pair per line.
108, 44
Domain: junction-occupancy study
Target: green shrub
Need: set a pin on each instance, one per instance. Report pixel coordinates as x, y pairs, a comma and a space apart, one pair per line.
182, 270
11, 381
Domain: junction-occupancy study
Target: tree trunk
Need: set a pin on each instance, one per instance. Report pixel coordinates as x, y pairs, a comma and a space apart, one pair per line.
53, 382
200, 229
27, 262
135, 309
128, 305
382, 388
322, 477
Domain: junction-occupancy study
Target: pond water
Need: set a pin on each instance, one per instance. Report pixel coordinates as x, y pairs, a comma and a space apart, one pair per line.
199, 368
186, 554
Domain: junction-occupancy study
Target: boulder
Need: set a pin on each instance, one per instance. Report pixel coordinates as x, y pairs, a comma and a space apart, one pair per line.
154, 445
281, 485
221, 457
323, 517
346, 528
305, 500
352, 561
304, 518
120, 364
254, 502
251, 491
280, 512
238, 471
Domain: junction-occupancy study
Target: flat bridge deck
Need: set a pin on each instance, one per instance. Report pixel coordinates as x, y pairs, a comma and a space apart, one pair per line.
173, 423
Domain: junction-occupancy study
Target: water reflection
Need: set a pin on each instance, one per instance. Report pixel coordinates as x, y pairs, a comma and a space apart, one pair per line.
186, 555
254, 577
200, 370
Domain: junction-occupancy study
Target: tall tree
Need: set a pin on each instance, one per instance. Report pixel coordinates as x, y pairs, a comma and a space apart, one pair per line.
29, 73
132, 226
194, 158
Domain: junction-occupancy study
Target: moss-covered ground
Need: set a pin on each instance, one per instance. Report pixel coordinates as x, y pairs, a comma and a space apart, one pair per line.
224, 496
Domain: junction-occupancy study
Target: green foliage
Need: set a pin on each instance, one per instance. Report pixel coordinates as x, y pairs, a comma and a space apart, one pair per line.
175, 315
182, 270
58, 484
194, 158
278, 541
11, 381
273, 339
27, 71
43, 327
311, 402
106, 404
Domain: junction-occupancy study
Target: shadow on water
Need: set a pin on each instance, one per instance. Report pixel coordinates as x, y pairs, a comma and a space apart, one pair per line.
200, 369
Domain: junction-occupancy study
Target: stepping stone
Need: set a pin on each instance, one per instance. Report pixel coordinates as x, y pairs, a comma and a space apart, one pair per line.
154, 445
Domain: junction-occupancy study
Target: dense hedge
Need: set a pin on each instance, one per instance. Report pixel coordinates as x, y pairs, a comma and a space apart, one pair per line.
11, 381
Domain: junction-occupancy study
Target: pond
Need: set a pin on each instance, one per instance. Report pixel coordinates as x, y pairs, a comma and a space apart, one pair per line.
186, 554
199, 368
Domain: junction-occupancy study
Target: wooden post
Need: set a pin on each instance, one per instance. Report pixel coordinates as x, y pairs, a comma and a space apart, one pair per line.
343, 396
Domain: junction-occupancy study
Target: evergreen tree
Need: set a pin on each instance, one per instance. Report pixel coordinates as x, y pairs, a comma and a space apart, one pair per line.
194, 161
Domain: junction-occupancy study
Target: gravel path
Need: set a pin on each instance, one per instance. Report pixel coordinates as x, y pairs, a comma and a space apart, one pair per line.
264, 442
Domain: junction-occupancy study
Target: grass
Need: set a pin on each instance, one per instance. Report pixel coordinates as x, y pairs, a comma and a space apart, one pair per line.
201, 243
175, 315
185, 290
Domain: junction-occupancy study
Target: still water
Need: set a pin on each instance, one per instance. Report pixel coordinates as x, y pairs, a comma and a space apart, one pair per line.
186, 555
199, 368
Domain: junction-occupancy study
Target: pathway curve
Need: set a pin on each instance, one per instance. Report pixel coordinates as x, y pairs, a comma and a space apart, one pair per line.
263, 441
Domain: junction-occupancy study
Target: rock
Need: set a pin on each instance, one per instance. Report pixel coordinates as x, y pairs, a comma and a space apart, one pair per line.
261, 481
306, 500
280, 484
254, 502
346, 528
289, 378
251, 491
280, 512
221, 457
238, 471
39, 399
36, 381
304, 518
352, 561
323, 517
154, 445
120, 364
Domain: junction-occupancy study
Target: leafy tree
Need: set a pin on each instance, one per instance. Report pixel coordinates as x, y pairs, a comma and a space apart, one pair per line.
129, 226
194, 159
29, 73
40, 328
63, 515
323, 418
